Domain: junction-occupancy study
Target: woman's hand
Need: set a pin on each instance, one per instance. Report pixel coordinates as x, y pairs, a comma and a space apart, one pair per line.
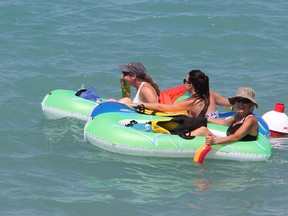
210, 139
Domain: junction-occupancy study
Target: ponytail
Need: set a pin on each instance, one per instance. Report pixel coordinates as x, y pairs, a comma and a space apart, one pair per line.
201, 86
154, 85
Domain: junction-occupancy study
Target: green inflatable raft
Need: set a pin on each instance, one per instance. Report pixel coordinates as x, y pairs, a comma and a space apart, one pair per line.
61, 103
114, 132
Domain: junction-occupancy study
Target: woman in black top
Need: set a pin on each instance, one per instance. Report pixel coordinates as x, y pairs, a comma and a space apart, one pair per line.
243, 126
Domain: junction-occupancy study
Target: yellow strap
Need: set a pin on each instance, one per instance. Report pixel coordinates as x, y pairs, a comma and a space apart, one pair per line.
157, 113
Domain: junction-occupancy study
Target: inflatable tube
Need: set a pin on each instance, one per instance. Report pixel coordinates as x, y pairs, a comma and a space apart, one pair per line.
65, 104
118, 107
62, 103
108, 131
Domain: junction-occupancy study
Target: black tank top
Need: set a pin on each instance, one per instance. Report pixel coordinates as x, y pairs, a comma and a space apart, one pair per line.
232, 129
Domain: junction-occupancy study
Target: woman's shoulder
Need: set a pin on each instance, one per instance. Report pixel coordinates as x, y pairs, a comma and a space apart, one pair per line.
147, 87
252, 117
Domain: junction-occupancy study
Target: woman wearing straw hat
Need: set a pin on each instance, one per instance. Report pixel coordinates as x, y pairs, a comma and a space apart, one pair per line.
243, 126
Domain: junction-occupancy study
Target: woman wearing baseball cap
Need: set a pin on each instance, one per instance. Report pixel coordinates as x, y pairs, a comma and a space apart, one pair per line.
134, 74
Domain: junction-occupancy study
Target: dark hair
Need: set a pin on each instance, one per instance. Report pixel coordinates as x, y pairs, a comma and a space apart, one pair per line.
148, 79
201, 85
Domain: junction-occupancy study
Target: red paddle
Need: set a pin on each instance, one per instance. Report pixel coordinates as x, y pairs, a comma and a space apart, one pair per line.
202, 152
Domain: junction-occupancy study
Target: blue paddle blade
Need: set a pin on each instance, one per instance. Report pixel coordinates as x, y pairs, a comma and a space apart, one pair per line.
110, 106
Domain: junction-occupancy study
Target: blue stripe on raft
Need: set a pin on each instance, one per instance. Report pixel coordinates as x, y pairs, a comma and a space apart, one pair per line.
110, 106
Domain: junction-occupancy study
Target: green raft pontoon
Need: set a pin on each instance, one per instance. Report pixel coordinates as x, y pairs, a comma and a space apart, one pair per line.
108, 131
62, 103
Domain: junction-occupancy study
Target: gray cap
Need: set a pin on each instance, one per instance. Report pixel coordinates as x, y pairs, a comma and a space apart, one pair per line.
134, 67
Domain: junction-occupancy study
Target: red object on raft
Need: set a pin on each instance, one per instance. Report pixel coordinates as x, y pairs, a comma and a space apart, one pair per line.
169, 96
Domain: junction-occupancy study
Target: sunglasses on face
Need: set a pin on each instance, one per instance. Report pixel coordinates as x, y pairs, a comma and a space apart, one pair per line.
186, 81
242, 100
125, 73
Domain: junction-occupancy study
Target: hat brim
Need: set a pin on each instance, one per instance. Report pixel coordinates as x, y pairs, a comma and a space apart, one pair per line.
124, 68
232, 100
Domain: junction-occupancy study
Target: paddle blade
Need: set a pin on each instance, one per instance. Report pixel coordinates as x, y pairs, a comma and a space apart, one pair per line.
201, 153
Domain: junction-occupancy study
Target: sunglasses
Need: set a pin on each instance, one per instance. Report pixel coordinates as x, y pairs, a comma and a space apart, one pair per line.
125, 73
242, 100
185, 81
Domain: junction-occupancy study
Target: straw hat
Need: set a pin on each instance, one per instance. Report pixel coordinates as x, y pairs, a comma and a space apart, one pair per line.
244, 92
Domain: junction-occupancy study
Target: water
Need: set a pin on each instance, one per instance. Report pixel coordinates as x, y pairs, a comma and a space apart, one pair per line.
46, 166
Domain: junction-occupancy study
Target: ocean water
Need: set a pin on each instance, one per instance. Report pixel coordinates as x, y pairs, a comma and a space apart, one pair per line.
46, 166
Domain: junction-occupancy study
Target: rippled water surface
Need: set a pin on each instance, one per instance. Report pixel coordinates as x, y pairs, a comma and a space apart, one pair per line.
46, 166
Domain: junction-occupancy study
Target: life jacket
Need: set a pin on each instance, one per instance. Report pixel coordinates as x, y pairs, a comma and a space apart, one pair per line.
179, 125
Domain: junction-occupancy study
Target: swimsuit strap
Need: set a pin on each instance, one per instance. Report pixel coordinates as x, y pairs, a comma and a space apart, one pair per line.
137, 98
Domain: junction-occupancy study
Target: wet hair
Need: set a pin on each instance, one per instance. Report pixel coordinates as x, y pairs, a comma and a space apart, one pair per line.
201, 85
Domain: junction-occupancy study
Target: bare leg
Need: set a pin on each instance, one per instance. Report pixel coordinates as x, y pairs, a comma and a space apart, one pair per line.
111, 99
202, 131
125, 100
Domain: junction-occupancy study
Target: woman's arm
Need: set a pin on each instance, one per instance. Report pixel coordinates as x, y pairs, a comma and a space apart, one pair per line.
239, 134
148, 94
181, 106
220, 121
220, 100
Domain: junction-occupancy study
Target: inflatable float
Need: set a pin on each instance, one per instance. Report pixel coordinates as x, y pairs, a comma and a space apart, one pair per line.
61, 103
114, 132
277, 121
118, 107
